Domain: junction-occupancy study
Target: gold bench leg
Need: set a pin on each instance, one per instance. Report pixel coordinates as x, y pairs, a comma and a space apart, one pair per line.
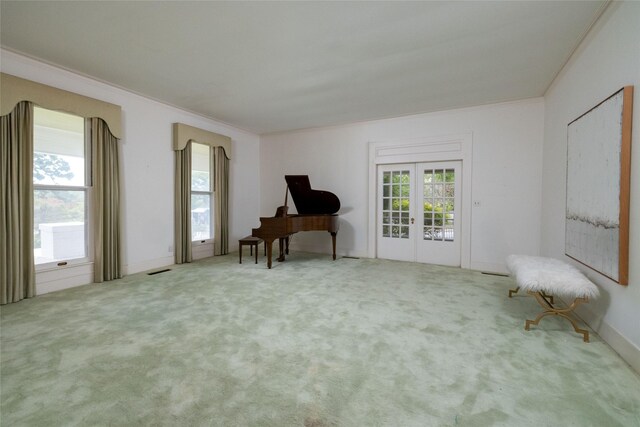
546, 302
548, 297
515, 291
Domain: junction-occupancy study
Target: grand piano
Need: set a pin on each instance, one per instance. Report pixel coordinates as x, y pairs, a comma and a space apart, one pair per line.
316, 212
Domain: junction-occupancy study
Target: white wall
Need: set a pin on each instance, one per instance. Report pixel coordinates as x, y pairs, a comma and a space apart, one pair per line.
147, 164
608, 59
507, 164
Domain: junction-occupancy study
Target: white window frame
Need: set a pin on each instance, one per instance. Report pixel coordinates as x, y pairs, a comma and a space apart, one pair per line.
87, 189
210, 193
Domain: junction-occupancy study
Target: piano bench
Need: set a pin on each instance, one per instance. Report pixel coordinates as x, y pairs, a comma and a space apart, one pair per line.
251, 241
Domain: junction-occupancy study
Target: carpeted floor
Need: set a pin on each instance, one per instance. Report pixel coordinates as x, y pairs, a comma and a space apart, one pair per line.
309, 343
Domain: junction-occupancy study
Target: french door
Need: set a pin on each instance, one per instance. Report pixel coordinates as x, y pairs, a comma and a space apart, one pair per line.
396, 212
418, 212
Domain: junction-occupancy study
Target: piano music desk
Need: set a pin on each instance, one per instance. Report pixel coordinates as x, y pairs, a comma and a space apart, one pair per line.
251, 241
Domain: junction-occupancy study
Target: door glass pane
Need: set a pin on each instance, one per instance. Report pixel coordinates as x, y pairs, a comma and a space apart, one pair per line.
58, 225
200, 217
404, 219
437, 233
395, 217
428, 233
396, 203
200, 168
439, 206
448, 234
58, 148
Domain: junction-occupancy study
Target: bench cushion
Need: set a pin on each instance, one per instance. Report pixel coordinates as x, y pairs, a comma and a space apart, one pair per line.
250, 239
550, 276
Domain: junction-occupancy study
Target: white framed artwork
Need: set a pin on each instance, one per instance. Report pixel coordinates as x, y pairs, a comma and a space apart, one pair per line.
598, 186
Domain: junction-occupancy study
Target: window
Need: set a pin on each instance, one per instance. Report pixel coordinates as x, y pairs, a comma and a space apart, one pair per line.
201, 193
61, 187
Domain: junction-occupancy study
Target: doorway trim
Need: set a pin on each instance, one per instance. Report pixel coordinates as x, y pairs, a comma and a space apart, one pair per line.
418, 150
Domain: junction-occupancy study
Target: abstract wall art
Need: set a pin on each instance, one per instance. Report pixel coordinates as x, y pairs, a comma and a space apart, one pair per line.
598, 186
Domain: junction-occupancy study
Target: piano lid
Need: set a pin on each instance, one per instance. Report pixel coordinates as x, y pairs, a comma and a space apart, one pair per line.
309, 201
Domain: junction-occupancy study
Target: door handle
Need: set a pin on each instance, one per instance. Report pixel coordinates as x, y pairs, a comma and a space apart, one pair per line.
412, 220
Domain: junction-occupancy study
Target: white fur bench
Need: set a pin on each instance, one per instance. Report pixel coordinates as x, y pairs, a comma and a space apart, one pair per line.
545, 277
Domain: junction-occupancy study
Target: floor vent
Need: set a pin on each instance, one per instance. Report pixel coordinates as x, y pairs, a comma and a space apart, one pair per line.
494, 274
158, 272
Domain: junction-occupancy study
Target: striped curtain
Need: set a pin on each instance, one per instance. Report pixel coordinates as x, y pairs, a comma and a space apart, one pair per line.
182, 205
221, 192
17, 270
106, 201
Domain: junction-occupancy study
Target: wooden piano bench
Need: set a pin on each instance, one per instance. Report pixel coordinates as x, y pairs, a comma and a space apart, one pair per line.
251, 241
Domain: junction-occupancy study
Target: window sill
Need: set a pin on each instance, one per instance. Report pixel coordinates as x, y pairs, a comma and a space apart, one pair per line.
201, 242
55, 267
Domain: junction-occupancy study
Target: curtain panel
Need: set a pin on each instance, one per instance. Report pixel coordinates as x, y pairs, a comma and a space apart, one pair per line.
221, 196
183, 136
17, 270
106, 206
182, 209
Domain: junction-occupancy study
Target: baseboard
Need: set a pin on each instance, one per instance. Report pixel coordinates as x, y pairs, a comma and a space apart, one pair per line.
625, 348
148, 265
488, 267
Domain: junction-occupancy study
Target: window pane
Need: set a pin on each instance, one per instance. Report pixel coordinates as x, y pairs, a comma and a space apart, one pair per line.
58, 148
395, 217
448, 234
58, 225
200, 168
200, 217
450, 175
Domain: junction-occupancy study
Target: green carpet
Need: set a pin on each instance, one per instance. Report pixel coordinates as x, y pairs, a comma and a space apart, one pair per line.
309, 343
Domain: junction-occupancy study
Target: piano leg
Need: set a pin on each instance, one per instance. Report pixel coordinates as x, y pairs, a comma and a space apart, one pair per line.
281, 247
333, 242
268, 246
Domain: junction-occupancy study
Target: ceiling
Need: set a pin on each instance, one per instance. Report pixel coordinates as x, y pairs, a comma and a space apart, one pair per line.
275, 66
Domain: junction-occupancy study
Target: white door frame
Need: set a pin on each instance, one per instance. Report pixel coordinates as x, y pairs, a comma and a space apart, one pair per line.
418, 150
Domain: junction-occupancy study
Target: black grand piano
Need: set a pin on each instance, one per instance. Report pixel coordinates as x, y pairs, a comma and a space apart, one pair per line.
316, 212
